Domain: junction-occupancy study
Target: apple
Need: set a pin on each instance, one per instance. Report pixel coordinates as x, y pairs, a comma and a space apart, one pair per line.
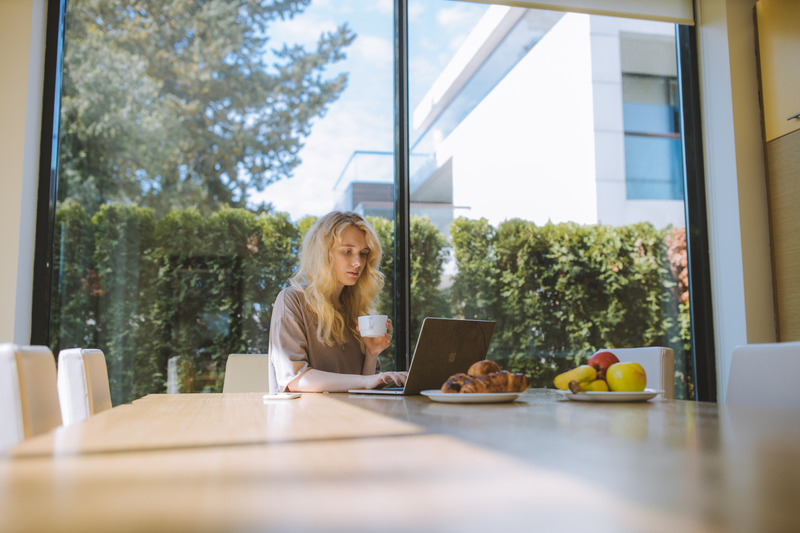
601, 361
626, 377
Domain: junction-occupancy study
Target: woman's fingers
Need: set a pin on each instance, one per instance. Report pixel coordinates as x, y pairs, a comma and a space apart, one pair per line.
399, 378
376, 345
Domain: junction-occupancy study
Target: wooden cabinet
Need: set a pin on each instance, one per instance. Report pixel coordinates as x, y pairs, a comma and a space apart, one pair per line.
779, 56
783, 169
779, 62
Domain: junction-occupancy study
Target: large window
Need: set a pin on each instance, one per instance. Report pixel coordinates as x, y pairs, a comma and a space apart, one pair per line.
552, 169
199, 140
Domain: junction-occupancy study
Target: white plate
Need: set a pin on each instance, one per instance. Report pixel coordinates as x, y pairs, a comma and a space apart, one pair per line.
609, 396
472, 397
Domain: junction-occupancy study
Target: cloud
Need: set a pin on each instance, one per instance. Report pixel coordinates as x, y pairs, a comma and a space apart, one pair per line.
351, 124
385, 7
416, 11
374, 50
304, 29
457, 16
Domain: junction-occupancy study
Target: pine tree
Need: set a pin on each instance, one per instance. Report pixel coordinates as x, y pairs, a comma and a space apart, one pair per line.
171, 104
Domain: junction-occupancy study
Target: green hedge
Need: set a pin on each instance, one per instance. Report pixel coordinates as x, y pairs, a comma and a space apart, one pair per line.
559, 292
200, 288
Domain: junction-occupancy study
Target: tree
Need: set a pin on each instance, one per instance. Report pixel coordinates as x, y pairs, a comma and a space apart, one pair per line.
172, 104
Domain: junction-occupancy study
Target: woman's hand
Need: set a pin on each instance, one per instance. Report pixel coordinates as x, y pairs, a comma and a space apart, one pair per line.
375, 345
387, 378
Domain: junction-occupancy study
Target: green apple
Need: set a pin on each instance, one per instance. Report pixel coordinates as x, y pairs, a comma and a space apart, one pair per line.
626, 377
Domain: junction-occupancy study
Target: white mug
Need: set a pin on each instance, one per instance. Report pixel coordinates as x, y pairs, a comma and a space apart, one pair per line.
372, 325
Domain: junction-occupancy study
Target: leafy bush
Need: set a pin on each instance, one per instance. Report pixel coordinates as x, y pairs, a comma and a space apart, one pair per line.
217, 281
123, 245
559, 292
73, 303
200, 288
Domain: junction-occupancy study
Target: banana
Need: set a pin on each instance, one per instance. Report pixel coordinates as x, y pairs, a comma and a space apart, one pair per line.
582, 374
596, 385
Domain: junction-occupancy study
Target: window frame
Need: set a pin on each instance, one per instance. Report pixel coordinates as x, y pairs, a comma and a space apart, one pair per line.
704, 371
703, 344
48, 172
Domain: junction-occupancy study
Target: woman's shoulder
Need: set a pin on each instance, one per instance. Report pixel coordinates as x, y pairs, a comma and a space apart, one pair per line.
292, 296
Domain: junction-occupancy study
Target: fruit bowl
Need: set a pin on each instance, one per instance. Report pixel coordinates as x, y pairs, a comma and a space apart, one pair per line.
609, 396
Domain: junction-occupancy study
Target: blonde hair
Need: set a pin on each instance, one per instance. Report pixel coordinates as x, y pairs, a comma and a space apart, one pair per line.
316, 278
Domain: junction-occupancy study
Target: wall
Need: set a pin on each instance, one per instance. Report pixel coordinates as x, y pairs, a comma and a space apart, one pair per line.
613, 205
751, 173
735, 180
22, 24
551, 168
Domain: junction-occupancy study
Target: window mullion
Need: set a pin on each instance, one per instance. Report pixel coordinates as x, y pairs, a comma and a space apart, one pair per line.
402, 270
703, 351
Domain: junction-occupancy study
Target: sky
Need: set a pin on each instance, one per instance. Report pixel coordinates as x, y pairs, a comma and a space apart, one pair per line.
362, 118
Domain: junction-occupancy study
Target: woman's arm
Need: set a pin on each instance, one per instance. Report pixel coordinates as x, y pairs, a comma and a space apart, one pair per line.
320, 381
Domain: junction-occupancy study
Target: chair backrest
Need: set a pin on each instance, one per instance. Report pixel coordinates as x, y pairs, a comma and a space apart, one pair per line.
765, 375
246, 373
658, 363
83, 388
11, 430
28, 393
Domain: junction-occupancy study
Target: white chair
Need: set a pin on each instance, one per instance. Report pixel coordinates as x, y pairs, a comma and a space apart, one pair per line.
246, 373
765, 375
28, 396
83, 388
658, 363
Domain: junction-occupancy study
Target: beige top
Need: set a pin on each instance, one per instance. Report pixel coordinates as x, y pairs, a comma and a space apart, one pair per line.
294, 346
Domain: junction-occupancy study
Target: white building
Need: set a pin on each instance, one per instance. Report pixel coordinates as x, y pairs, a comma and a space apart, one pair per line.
549, 116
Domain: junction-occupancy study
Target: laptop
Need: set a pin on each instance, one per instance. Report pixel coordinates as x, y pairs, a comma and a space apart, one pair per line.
446, 346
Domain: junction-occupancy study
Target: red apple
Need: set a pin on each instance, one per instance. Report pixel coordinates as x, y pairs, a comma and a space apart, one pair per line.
601, 361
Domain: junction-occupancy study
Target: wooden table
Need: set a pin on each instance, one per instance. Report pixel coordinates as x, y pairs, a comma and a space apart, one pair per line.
338, 462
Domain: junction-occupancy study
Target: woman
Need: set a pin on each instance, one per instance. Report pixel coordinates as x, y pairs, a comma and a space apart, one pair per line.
314, 344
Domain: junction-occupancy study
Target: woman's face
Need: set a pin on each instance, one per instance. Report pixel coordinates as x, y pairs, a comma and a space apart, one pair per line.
350, 256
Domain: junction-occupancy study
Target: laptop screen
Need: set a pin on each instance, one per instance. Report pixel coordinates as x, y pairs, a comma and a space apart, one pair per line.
445, 346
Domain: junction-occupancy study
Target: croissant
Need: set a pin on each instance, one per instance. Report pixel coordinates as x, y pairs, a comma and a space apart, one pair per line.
502, 381
455, 382
481, 368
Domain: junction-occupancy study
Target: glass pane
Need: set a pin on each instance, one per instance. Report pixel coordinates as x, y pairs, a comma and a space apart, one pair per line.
198, 141
653, 168
653, 162
524, 165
